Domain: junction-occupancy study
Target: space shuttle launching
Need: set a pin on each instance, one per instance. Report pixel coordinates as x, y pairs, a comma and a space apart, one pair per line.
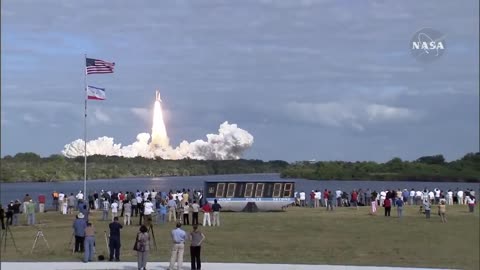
157, 95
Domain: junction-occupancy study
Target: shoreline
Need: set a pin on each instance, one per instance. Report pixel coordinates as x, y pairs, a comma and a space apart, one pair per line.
278, 174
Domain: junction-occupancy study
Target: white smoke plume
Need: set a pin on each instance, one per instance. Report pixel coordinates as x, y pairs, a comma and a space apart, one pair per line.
230, 143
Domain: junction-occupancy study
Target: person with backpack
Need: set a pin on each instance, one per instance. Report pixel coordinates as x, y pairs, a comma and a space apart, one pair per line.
142, 246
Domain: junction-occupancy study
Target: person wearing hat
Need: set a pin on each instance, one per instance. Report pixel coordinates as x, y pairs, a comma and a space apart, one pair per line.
79, 226
31, 213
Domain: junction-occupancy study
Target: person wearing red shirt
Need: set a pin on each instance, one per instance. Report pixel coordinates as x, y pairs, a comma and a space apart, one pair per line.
354, 198
387, 204
41, 203
325, 197
207, 209
312, 198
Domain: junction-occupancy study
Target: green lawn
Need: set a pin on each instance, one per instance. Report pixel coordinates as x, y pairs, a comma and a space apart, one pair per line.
299, 235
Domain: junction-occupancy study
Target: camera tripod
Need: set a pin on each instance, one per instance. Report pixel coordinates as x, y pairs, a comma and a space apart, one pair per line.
39, 234
153, 236
4, 236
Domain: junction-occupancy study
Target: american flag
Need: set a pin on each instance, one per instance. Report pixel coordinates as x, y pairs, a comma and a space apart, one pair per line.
95, 66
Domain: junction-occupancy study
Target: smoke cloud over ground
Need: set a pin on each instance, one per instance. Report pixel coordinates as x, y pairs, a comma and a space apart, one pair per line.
230, 143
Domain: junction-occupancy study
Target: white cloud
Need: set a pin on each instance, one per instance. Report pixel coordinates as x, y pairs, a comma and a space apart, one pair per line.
101, 116
354, 115
329, 114
142, 113
29, 118
377, 112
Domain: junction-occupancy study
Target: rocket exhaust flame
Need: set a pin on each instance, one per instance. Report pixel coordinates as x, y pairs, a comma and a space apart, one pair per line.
159, 131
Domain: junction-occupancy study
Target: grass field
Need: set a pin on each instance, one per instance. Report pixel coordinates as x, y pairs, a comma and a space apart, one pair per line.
299, 235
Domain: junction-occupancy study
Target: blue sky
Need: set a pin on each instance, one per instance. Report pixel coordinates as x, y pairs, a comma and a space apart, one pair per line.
325, 80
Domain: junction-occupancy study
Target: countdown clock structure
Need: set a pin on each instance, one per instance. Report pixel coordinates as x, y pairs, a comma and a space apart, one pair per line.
250, 196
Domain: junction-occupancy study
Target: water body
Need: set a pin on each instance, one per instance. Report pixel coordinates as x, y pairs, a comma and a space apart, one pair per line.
13, 191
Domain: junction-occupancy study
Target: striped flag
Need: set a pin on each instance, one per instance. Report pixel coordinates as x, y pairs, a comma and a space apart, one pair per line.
96, 93
96, 66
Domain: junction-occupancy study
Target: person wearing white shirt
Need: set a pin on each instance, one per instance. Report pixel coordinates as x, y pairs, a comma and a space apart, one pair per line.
80, 195
318, 198
147, 212
471, 203
302, 199
437, 196
114, 207
338, 194
431, 197
411, 197
383, 196
418, 197
460, 196
61, 201
153, 193
450, 197
139, 199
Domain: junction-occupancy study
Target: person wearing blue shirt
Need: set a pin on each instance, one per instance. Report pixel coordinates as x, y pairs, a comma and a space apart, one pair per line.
79, 226
161, 212
399, 203
178, 237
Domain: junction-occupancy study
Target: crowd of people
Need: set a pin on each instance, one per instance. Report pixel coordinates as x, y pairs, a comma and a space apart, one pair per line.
184, 208
387, 199
146, 205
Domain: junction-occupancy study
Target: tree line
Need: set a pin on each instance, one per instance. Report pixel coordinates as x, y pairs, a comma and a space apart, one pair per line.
426, 168
31, 167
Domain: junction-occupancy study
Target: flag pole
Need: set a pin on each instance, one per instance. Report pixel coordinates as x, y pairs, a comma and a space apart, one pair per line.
85, 133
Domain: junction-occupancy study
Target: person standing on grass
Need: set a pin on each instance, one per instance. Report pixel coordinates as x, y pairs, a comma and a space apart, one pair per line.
471, 203
312, 199
325, 197
302, 199
216, 213
387, 204
79, 226
354, 199
114, 207
106, 209
426, 207
134, 206
442, 210
172, 210
89, 243
127, 207
196, 238
142, 246
186, 214
399, 203
70, 203
450, 197
206, 209
114, 243
147, 212
16, 212
163, 212
331, 198
178, 238
31, 213
195, 208
41, 203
